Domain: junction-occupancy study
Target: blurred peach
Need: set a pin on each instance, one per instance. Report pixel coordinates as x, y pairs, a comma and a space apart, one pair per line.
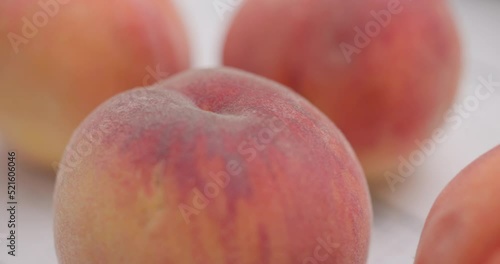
385, 71
463, 226
60, 59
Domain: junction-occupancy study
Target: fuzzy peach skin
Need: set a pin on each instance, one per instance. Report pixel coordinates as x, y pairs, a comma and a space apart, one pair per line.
211, 166
383, 92
54, 72
463, 226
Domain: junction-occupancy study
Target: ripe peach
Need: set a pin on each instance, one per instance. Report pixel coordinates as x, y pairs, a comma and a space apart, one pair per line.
211, 166
463, 225
59, 59
385, 71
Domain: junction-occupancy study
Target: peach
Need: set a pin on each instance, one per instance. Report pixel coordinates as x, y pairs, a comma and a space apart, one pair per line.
59, 59
385, 71
463, 225
210, 166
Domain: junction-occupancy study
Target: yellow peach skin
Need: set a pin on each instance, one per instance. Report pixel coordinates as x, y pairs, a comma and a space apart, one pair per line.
59, 59
463, 226
210, 166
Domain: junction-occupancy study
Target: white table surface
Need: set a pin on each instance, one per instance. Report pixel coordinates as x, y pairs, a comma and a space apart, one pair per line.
399, 215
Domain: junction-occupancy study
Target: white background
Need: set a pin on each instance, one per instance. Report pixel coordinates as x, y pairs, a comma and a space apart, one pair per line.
399, 215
